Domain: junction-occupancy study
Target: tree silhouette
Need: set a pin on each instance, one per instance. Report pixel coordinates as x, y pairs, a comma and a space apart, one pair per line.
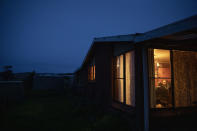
7, 74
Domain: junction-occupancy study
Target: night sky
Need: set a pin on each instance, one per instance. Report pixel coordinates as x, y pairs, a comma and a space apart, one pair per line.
55, 35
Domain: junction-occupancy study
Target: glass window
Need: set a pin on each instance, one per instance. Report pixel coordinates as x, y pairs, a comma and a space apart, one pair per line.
91, 70
119, 90
179, 91
119, 83
161, 92
124, 90
185, 78
130, 78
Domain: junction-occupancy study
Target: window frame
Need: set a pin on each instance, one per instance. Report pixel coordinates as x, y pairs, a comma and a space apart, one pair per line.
92, 65
124, 79
172, 79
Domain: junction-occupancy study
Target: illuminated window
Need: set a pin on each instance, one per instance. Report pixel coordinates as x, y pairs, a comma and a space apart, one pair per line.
173, 78
161, 92
119, 79
124, 87
130, 78
185, 78
91, 70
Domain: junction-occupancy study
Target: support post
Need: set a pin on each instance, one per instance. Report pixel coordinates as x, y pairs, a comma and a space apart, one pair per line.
142, 92
146, 88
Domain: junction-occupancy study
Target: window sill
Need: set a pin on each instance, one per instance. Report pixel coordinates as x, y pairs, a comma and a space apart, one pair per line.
167, 112
123, 107
91, 81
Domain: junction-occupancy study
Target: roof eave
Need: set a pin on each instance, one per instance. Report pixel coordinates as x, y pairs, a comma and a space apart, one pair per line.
183, 25
119, 38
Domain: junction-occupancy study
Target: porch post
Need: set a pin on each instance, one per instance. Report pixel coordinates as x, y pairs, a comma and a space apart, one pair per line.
141, 88
139, 91
146, 89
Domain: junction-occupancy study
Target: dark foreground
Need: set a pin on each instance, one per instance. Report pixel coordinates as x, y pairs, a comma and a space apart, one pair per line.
64, 111
49, 111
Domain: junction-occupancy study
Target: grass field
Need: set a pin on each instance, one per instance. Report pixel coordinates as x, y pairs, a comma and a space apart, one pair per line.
49, 111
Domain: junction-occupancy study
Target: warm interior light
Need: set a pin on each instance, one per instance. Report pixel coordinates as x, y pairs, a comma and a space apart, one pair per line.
94, 72
118, 63
161, 55
158, 106
162, 78
157, 64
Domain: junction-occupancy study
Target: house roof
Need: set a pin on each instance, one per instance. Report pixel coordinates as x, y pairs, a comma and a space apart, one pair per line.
119, 38
179, 26
187, 27
170, 29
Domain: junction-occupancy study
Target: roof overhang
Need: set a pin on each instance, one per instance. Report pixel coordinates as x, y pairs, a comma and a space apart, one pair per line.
119, 38
177, 31
187, 24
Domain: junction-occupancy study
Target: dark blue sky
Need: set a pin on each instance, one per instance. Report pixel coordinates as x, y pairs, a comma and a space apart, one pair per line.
55, 35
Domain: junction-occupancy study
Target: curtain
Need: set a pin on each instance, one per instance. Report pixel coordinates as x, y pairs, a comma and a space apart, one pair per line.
130, 78
151, 77
119, 81
185, 78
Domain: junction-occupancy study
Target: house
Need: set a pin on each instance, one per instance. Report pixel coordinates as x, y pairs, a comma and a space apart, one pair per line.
152, 75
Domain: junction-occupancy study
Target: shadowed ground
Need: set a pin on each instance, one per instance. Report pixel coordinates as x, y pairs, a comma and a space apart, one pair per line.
50, 111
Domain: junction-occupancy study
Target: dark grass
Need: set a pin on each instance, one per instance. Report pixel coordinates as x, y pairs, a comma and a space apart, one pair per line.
176, 123
52, 111
63, 111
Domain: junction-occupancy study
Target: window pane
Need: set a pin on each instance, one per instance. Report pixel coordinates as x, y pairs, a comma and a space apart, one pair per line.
130, 81
91, 72
94, 70
161, 92
119, 90
185, 78
119, 83
119, 66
